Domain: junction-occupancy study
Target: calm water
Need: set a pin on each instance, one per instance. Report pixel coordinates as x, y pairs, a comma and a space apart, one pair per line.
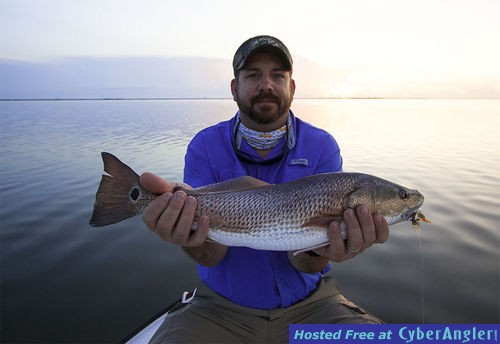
64, 281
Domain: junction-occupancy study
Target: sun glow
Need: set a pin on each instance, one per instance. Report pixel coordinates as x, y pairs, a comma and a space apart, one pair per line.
387, 48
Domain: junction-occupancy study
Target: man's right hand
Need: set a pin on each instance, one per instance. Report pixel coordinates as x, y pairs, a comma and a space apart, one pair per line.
171, 215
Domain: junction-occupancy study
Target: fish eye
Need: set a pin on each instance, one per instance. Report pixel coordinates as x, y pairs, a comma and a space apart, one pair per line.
134, 194
404, 195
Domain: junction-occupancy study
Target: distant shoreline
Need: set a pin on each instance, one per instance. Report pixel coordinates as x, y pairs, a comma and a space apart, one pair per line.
111, 98
223, 98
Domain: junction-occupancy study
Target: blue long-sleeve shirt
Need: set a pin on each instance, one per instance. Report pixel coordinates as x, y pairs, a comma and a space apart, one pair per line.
255, 278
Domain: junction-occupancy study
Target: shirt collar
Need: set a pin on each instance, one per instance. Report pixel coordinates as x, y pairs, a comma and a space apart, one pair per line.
291, 131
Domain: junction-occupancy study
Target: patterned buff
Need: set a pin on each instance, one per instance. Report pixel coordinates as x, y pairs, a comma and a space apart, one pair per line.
263, 140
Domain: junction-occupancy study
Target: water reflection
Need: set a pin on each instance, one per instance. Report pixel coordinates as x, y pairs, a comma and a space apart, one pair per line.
53, 263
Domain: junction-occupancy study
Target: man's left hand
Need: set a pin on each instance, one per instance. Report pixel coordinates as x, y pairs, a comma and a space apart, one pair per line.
363, 230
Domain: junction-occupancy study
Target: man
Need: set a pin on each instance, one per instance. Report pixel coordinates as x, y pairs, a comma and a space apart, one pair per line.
250, 295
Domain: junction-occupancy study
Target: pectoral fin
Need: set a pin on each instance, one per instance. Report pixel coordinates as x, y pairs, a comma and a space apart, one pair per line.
322, 221
311, 248
213, 241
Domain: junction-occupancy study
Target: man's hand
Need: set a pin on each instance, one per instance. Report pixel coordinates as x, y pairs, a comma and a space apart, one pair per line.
171, 215
363, 230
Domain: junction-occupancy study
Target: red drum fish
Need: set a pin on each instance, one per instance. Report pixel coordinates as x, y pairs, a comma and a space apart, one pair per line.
249, 212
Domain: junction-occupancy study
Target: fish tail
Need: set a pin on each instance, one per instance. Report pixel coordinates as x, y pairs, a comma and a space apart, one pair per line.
119, 194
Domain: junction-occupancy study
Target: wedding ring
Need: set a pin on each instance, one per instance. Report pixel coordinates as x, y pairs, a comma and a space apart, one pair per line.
353, 250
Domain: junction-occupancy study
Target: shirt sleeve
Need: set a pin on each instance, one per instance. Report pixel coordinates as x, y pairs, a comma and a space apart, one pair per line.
197, 171
330, 159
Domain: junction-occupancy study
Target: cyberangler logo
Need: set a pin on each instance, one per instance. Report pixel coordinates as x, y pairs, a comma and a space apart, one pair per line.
448, 334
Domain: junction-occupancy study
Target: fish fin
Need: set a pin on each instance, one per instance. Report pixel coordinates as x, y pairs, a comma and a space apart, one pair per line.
117, 193
322, 221
181, 187
236, 184
311, 248
213, 241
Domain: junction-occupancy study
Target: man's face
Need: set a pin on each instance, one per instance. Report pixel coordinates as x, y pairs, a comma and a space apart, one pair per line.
264, 90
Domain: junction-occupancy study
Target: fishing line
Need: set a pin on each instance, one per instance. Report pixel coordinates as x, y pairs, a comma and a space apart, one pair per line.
422, 297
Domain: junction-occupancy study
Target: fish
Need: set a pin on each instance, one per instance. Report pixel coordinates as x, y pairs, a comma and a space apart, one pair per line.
246, 211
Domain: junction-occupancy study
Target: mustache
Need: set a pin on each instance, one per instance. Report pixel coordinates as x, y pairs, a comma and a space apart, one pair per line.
266, 96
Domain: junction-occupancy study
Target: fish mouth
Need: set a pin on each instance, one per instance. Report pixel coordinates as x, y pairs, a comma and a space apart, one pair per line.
415, 216
411, 214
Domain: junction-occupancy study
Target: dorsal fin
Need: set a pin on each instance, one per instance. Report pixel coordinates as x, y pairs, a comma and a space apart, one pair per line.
237, 184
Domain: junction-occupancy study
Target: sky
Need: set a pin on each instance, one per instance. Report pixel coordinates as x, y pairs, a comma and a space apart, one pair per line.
447, 48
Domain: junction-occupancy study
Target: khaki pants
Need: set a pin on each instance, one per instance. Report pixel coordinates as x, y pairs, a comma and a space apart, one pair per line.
211, 318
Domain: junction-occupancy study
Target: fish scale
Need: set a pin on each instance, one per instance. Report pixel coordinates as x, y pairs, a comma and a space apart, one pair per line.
248, 212
272, 217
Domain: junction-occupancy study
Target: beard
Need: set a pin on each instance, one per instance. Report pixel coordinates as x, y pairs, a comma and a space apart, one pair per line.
263, 113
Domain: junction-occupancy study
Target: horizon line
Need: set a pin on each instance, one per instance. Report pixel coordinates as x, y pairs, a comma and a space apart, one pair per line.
229, 98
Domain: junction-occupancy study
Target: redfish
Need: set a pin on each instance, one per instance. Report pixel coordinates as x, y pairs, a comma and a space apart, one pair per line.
245, 211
